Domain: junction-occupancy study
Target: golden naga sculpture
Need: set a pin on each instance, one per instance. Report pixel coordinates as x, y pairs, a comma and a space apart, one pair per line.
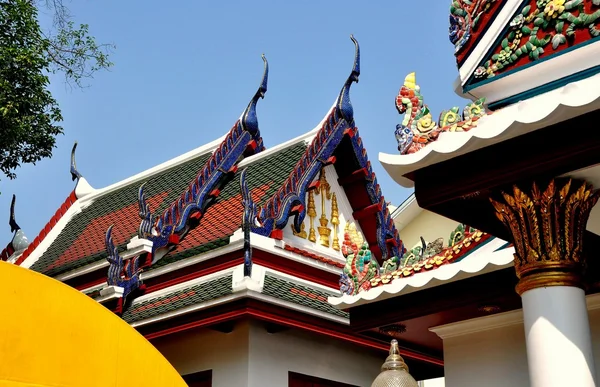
547, 228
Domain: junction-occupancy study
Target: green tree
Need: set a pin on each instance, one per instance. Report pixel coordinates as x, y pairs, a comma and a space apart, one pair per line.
29, 115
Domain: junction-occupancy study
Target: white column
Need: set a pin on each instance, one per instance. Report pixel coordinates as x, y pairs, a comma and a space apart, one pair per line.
557, 331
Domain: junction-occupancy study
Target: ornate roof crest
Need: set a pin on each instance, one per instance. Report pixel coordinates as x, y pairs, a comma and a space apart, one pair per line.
418, 129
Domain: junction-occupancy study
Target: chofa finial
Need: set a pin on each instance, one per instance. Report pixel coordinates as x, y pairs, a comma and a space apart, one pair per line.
249, 119
247, 221
74, 172
11, 221
343, 103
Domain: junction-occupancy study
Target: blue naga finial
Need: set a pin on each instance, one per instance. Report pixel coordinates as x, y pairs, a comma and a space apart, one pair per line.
343, 103
11, 221
114, 259
148, 220
74, 172
249, 119
121, 273
248, 220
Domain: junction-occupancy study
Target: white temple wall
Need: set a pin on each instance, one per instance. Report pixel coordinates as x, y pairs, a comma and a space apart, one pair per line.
250, 356
428, 225
490, 351
272, 356
226, 354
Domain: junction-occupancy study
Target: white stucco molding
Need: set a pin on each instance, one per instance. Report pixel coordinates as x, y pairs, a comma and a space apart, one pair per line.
110, 293
540, 73
526, 116
495, 321
83, 188
242, 287
255, 282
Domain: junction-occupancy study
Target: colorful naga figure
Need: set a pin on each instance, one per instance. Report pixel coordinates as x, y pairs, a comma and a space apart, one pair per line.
361, 266
418, 129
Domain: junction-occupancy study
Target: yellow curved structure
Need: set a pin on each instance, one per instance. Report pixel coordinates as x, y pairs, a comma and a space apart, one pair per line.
53, 335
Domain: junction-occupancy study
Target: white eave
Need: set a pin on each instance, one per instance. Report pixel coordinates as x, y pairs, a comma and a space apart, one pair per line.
406, 212
523, 117
484, 260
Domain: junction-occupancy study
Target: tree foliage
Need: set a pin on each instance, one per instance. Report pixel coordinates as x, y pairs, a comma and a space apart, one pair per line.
29, 115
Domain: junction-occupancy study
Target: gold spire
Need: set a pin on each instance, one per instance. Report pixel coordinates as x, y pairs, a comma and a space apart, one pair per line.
325, 192
335, 221
312, 214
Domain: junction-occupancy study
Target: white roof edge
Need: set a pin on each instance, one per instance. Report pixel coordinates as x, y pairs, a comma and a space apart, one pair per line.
484, 260
558, 105
49, 238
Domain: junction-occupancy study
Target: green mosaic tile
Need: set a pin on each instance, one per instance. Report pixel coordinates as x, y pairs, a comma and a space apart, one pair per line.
179, 299
299, 294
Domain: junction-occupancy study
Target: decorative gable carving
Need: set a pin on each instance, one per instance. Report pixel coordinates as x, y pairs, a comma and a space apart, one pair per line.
328, 214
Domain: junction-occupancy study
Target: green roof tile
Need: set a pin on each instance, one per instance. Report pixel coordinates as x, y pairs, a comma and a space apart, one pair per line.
301, 295
82, 240
179, 299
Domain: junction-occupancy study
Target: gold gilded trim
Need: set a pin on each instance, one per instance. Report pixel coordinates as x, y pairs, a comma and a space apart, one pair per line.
547, 229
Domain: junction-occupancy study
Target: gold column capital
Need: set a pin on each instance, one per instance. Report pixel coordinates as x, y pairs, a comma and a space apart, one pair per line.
547, 229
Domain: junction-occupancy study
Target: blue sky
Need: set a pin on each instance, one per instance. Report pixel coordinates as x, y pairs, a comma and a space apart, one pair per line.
183, 74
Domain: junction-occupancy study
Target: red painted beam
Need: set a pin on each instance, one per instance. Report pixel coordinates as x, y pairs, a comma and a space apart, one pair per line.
368, 211
338, 334
354, 177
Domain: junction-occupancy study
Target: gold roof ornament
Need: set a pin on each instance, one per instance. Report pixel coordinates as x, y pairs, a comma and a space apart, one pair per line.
394, 371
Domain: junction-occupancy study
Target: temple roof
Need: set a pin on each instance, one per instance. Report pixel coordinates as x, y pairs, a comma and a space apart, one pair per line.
81, 241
